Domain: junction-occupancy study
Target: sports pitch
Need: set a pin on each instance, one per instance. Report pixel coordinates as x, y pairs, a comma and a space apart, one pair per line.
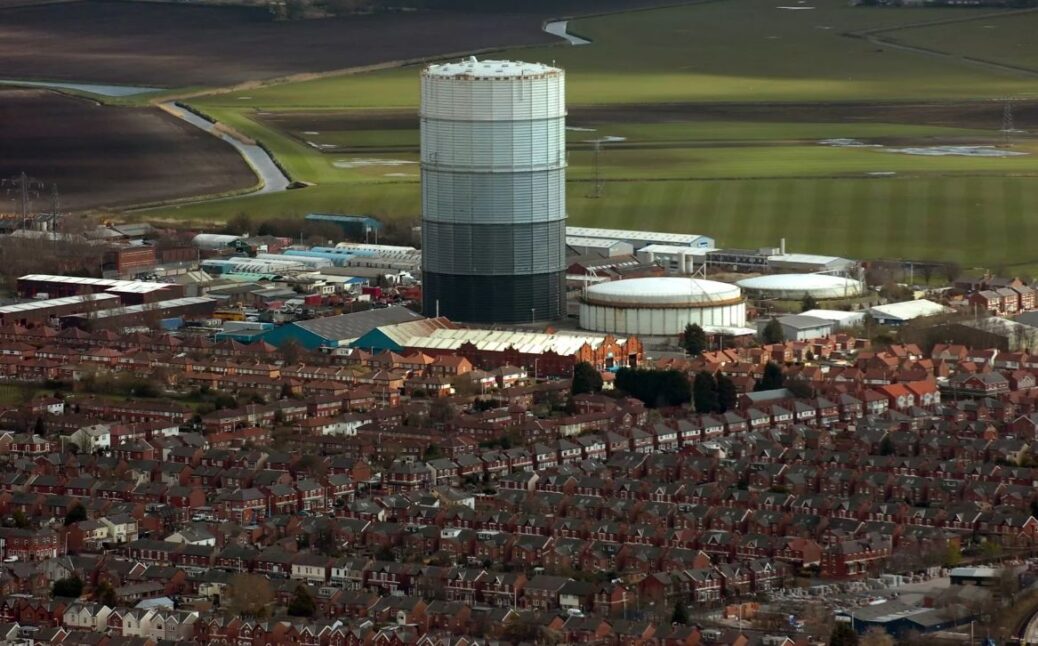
719, 110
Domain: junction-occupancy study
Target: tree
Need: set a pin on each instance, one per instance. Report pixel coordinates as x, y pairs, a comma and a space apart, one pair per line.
843, 635
952, 555
773, 333
808, 302
876, 636
772, 378
886, 445
105, 593
70, 587
21, 521
586, 379
76, 514
325, 541
680, 614
655, 387
40, 427
250, 595
302, 604
441, 411
727, 394
694, 340
704, 393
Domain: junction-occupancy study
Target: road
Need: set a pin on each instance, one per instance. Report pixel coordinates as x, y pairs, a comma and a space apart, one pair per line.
273, 180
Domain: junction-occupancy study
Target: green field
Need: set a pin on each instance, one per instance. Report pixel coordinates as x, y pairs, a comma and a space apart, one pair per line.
747, 179
1010, 40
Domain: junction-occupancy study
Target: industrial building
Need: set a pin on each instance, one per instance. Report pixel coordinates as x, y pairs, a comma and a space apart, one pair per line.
841, 319
900, 313
42, 311
309, 262
493, 190
216, 241
660, 306
675, 259
246, 265
801, 327
796, 286
776, 260
541, 354
338, 331
130, 292
145, 315
805, 262
351, 225
639, 239
598, 247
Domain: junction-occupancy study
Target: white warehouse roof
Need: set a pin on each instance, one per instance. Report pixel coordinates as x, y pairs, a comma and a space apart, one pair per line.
489, 69
908, 310
662, 291
30, 306
603, 243
684, 239
499, 340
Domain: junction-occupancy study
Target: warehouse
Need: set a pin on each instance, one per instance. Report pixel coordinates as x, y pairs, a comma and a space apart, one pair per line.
217, 241
598, 247
660, 306
36, 312
542, 354
841, 319
310, 262
795, 286
639, 239
148, 315
900, 313
801, 327
245, 265
339, 331
805, 262
130, 292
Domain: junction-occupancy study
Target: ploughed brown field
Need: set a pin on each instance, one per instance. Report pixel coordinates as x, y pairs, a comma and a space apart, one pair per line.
165, 45
110, 156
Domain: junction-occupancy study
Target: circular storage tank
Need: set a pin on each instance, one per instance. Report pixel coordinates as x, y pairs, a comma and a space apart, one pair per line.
795, 286
660, 306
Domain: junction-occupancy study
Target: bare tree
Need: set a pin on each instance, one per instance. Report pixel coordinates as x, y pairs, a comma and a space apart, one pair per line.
250, 595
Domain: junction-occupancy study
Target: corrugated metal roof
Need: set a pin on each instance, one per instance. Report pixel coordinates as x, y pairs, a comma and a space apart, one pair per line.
54, 302
354, 325
499, 340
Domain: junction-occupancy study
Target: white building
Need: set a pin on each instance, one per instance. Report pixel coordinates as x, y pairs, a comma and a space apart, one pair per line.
900, 313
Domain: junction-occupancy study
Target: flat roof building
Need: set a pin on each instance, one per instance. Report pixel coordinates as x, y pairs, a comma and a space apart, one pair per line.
639, 239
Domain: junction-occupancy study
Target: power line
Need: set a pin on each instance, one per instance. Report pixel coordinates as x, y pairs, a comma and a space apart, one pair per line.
23, 189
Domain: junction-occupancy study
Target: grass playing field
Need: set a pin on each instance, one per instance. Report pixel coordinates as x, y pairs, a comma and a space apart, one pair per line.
745, 175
